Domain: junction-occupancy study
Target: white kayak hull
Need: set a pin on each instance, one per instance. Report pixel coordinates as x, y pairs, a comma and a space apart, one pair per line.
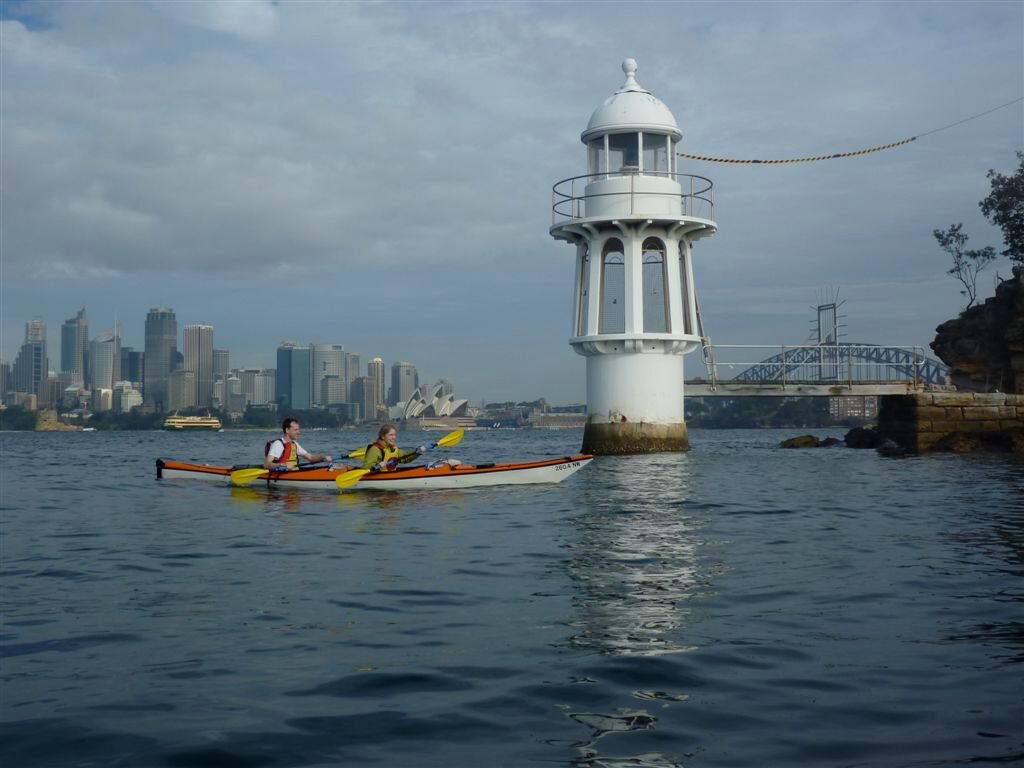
404, 479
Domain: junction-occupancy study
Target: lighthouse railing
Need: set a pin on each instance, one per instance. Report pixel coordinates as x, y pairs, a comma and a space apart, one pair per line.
569, 196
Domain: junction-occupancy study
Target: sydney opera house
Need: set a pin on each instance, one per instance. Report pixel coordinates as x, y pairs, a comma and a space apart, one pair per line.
435, 407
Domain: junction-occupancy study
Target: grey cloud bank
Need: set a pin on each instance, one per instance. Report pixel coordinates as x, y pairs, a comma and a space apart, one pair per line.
383, 172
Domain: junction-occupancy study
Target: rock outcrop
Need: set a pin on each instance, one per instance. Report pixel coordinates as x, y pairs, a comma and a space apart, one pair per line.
985, 345
47, 421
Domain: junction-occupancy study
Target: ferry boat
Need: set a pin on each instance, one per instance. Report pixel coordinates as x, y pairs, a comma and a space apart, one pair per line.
176, 422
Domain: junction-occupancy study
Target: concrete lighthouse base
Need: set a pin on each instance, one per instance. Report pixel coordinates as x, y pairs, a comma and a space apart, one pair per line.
634, 403
610, 438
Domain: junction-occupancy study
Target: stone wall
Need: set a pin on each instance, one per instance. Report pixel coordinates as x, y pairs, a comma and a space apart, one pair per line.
958, 421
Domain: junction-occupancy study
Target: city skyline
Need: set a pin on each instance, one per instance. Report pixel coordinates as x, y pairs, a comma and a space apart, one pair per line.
399, 202
196, 374
161, 331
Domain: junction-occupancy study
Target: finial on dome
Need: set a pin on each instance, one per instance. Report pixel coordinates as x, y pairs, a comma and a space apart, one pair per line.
629, 67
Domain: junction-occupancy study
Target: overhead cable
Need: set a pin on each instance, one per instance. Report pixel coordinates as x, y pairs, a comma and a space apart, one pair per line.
854, 153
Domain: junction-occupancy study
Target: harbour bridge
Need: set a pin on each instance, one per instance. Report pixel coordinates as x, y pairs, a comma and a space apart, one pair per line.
828, 368
822, 370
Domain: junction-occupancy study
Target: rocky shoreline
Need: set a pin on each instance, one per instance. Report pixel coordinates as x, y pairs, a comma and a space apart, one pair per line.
965, 441
47, 421
984, 346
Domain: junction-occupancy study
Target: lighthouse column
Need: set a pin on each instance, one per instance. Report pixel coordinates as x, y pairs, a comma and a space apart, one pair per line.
634, 308
634, 404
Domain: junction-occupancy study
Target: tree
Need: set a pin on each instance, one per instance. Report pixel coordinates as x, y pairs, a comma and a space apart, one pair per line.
966, 264
17, 418
1004, 207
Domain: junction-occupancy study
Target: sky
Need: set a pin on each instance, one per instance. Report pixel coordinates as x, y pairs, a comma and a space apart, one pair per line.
379, 175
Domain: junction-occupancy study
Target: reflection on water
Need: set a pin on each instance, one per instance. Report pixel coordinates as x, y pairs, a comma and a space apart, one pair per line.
270, 499
863, 611
635, 559
385, 512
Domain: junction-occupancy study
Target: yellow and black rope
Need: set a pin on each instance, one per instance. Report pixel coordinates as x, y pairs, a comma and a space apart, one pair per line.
854, 153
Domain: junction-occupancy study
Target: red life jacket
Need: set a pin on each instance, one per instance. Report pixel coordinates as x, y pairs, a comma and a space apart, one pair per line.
285, 455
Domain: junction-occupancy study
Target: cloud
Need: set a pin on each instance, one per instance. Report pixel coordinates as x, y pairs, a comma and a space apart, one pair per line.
312, 142
248, 19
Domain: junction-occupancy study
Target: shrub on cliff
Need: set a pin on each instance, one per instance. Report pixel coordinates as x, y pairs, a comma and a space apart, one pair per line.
1004, 207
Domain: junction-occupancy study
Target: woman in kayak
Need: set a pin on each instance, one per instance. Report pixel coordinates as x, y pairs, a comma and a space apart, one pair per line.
385, 451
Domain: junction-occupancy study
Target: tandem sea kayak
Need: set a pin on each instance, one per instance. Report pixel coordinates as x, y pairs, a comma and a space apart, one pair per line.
417, 478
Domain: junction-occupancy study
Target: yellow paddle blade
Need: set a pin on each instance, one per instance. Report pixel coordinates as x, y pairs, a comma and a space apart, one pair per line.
350, 478
247, 475
357, 454
452, 438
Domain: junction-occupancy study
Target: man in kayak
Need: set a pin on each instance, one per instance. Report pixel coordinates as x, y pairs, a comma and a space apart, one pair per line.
283, 453
385, 451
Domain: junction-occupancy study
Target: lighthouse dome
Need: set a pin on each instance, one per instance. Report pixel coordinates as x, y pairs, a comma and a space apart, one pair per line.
631, 108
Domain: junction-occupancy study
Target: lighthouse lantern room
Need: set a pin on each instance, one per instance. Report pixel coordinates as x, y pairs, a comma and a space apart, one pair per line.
633, 219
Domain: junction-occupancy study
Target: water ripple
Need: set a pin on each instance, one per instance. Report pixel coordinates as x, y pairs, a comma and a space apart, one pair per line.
734, 606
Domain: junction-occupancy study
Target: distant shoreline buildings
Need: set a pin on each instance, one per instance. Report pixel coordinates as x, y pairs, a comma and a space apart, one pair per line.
187, 373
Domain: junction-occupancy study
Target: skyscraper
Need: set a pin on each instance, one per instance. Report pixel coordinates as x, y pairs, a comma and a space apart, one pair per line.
31, 365
234, 400
293, 388
377, 372
198, 343
181, 389
364, 394
405, 379
353, 369
221, 363
161, 351
131, 365
105, 360
327, 360
332, 390
247, 377
264, 387
74, 345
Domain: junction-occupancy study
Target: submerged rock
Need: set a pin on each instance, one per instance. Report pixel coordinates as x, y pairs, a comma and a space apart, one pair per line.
862, 437
804, 441
891, 448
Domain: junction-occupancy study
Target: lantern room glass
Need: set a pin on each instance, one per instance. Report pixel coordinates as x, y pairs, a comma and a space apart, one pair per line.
596, 157
655, 153
623, 152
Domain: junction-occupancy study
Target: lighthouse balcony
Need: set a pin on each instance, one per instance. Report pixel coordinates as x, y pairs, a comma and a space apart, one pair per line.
631, 194
643, 343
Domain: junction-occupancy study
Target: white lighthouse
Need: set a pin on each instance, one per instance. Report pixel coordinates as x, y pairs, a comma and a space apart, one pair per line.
634, 220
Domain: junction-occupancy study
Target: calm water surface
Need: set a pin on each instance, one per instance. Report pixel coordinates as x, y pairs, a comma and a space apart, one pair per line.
739, 605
